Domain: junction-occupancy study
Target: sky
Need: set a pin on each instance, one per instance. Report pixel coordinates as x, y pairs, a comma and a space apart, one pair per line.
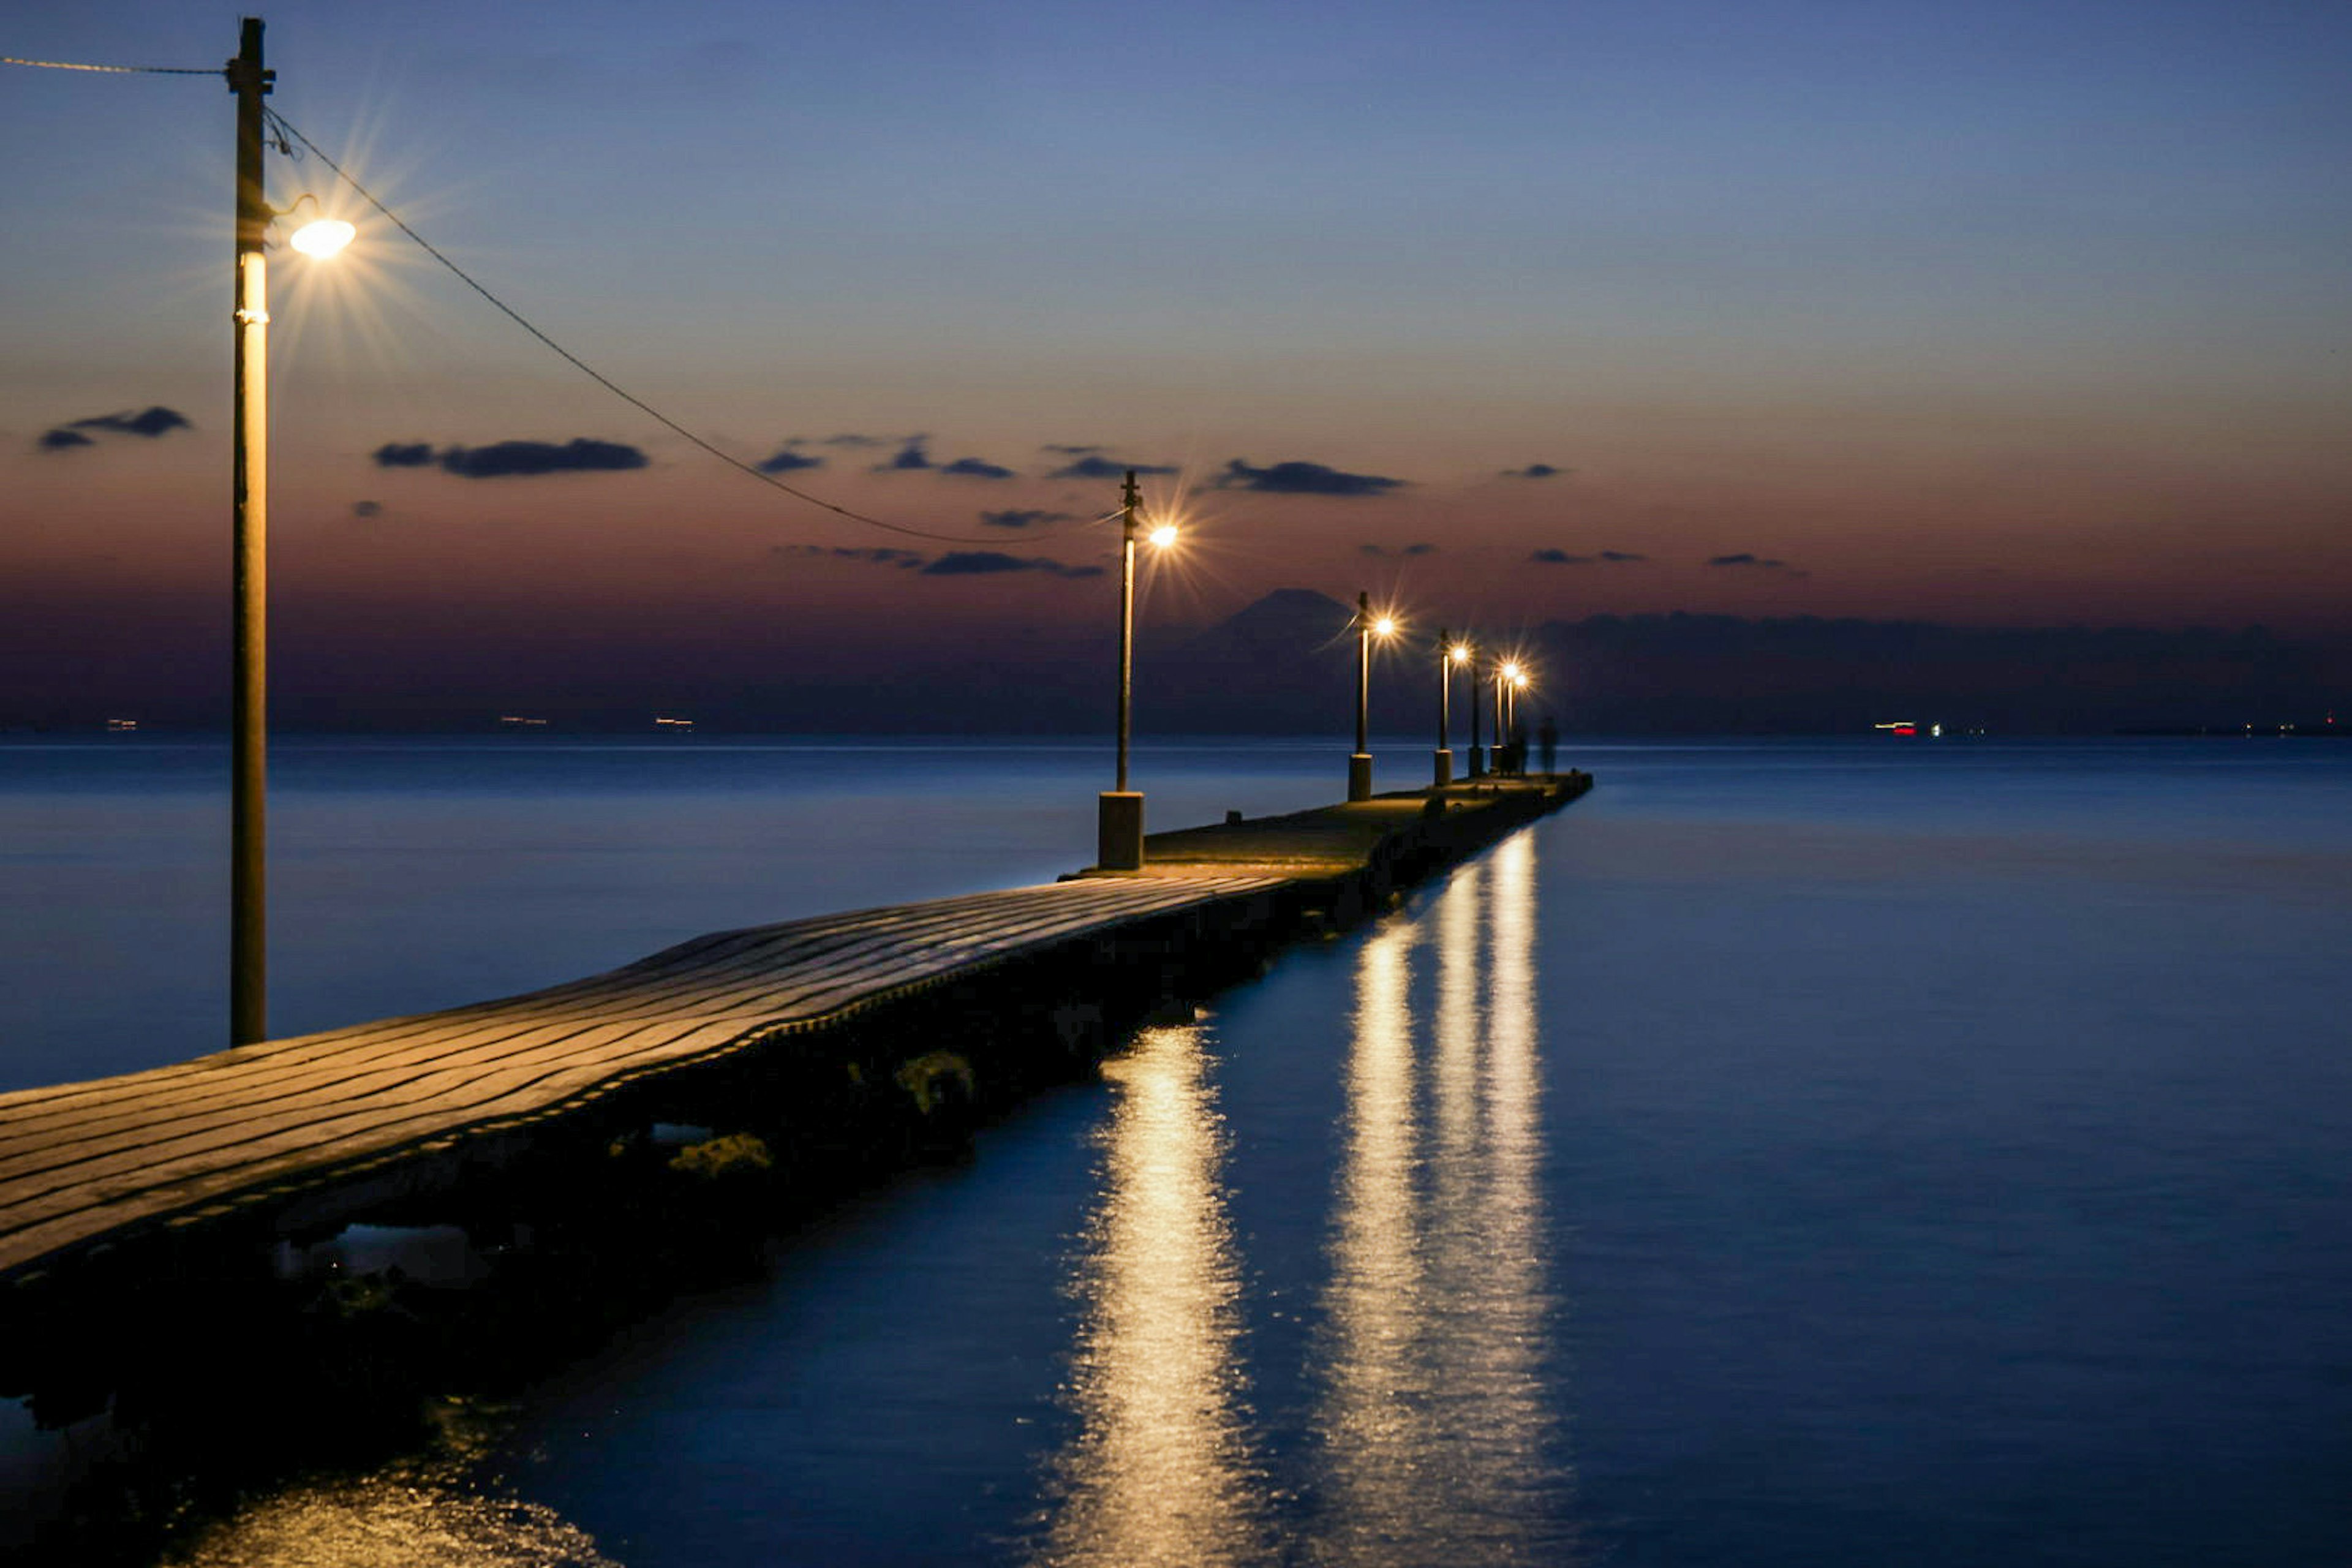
2002, 314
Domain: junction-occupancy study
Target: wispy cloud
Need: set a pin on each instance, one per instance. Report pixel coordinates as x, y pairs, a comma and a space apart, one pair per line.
1092, 465
1747, 560
1565, 558
1301, 479
505, 460
367, 509
976, 469
1535, 471
788, 459
880, 556
150, 422
1399, 553
911, 458
1017, 519
986, 563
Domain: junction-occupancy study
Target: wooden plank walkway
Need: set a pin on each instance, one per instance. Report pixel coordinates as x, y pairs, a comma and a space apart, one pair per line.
80, 1163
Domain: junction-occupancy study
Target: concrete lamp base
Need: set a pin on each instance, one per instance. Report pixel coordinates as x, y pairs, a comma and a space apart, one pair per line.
1360, 776
1118, 830
1442, 773
1477, 761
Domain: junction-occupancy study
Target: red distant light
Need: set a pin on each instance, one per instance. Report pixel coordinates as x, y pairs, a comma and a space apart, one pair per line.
1906, 728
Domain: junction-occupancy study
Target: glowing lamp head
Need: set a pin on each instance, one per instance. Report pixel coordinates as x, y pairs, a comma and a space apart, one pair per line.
1518, 683
1511, 673
1385, 626
322, 238
1459, 653
1163, 536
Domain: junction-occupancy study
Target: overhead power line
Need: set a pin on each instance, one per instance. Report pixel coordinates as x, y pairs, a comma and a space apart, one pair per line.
114, 70
286, 128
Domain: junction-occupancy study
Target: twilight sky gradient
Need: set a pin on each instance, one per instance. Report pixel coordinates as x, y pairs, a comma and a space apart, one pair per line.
1996, 314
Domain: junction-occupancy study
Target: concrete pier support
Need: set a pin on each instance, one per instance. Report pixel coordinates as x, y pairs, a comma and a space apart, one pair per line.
1442, 772
1360, 776
1118, 830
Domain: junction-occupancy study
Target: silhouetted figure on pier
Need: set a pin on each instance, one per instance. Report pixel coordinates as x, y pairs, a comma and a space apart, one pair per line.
1547, 738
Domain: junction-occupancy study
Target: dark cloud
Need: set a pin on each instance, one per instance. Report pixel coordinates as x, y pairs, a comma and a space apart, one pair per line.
849, 440
1402, 550
786, 460
148, 422
403, 455
975, 469
503, 458
1093, 467
1067, 451
1023, 518
1420, 550
367, 509
1297, 479
1754, 562
1563, 558
982, 562
880, 556
911, 457
1535, 471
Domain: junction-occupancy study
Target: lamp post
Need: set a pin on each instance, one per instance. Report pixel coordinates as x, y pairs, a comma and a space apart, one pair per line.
1449, 654
1470, 689
1504, 670
248, 977
1367, 626
248, 982
1119, 817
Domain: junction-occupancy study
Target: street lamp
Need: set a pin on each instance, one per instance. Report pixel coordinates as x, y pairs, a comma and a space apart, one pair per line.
1449, 654
1510, 680
1367, 626
248, 942
1506, 671
1469, 661
1119, 815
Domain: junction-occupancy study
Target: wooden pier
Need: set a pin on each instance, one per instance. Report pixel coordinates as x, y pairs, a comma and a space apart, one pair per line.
163, 1173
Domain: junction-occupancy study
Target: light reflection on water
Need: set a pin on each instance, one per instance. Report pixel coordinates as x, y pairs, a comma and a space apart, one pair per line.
1429, 1416
435, 1512
1434, 1414
1162, 1470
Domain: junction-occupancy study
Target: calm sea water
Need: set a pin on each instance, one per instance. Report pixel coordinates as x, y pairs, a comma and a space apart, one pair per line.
1793, 1153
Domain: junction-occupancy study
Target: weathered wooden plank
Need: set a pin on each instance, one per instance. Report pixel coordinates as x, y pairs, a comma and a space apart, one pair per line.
348, 1081
78, 1160
751, 976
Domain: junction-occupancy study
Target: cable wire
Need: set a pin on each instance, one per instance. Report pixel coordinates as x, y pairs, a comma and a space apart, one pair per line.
285, 128
115, 70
